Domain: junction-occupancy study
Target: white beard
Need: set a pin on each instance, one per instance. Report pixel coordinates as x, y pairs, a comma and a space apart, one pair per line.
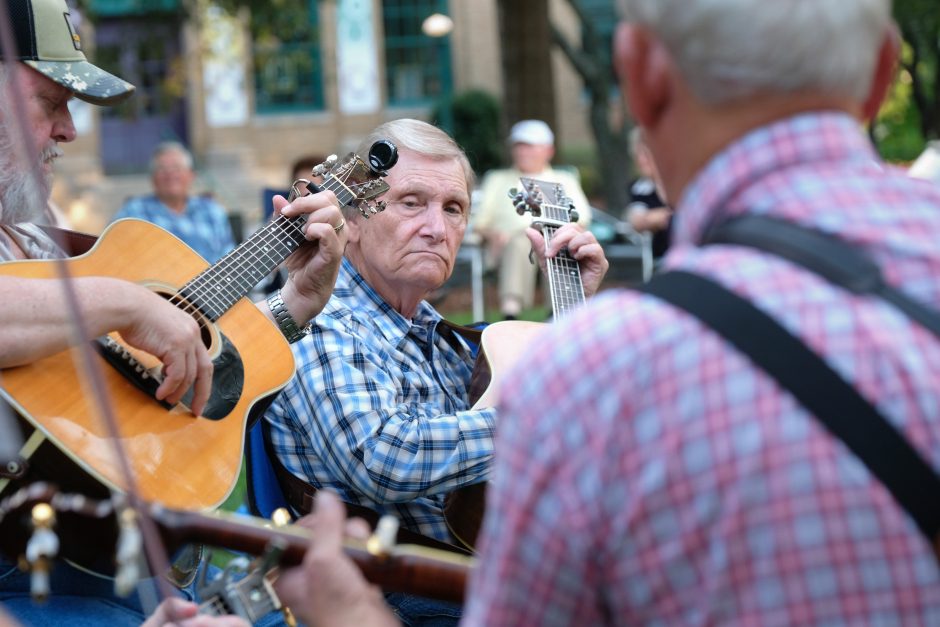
21, 200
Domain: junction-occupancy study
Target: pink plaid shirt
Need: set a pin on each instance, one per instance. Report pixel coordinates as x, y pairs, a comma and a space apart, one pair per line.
647, 474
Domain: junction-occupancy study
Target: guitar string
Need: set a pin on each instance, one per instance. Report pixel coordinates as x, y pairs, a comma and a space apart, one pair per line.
227, 268
292, 229
199, 289
197, 295
567, 290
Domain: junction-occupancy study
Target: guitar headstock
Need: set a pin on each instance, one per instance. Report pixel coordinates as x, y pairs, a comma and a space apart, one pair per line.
355, 182
547, 202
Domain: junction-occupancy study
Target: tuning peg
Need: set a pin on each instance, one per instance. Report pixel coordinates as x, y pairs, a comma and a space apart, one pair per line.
573, 215
323, 168
41, 550
383, 154
128, 552
281, 517
383, 539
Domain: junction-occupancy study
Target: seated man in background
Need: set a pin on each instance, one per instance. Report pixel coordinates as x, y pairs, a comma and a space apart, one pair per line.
199, 221
532, 145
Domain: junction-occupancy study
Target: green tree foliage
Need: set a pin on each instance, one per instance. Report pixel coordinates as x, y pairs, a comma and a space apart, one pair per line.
911, 115
475, 117
919, 21
591, 58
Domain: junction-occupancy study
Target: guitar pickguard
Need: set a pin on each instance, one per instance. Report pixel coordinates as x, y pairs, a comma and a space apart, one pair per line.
228, 377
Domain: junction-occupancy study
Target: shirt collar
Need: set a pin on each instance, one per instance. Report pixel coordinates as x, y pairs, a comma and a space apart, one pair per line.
801, 139
352, 288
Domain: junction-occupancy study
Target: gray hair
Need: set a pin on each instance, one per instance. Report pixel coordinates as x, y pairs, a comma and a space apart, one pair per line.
729, 49
421, 138
171, 146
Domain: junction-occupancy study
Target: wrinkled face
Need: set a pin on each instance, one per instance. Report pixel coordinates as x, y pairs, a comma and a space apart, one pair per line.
172, 177
411, 246
47, 122
531, 158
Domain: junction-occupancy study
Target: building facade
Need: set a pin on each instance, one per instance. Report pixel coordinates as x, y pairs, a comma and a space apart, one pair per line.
249, 94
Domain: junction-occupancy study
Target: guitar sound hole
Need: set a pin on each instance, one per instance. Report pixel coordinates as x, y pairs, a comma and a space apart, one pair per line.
206, 328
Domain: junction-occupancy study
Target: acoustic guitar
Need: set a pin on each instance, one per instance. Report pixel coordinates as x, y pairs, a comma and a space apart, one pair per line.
40, 525
502, 344
176, 458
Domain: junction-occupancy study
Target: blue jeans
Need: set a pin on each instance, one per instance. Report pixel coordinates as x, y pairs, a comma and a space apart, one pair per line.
78, 598
415, 611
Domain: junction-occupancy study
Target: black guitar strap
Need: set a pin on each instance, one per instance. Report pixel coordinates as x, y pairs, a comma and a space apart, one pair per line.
838, 405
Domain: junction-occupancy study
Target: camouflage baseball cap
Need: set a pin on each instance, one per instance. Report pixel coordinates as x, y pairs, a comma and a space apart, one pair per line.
47, 41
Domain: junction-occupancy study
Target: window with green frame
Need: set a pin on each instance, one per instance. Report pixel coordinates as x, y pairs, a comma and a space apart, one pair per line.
288, 70
123, 8
418, 69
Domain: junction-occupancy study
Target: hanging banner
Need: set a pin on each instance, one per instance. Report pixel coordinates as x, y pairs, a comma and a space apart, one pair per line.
223, 69
356, 58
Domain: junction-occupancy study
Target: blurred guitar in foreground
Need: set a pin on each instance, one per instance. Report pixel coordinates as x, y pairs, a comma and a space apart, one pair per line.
39, 525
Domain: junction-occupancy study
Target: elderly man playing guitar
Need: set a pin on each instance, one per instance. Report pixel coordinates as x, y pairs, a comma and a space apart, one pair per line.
380, 409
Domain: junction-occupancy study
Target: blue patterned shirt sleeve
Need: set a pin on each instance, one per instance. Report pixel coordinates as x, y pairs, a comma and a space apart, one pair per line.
379, 410
203, 225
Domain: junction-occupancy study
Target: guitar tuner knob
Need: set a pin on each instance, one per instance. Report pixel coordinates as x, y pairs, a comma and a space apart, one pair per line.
382, 155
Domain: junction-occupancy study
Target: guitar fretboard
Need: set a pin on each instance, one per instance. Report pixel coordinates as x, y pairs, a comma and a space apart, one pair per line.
564, 275
564, 279
215, 290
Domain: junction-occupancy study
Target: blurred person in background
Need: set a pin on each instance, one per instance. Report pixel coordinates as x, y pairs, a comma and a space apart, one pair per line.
532, 146
198, 220
647, 212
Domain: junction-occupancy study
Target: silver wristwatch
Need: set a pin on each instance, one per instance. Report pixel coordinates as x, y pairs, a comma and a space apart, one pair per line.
285, 322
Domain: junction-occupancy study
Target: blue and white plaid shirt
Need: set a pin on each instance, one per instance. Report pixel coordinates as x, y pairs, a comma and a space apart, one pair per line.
203, 225
378, 409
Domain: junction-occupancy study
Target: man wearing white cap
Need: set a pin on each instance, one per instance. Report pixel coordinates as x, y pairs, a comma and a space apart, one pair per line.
532, 145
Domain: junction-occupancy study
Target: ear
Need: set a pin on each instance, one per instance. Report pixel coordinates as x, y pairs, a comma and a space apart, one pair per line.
885, 69
643, 66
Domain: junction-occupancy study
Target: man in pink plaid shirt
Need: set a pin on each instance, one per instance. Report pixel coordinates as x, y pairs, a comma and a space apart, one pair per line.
646, 471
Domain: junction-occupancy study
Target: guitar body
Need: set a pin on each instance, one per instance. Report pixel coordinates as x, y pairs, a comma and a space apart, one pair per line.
177, 459
502, 345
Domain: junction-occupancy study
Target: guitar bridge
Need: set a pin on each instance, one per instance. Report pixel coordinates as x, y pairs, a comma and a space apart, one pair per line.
228, 377
144, 379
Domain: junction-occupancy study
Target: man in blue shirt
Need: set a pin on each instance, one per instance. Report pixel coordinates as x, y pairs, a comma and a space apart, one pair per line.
379, 409
197, 220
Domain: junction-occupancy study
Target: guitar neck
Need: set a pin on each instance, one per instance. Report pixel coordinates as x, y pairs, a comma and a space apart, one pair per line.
417, 570
564, 278
216, 290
